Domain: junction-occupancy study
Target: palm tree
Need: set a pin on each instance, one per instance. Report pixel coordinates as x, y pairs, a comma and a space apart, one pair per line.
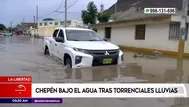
89, 15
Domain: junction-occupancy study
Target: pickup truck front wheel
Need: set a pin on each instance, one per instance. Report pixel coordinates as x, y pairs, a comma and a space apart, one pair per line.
68, 63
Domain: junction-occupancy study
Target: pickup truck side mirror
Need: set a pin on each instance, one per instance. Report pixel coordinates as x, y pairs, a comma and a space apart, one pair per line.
105, 39
59, 39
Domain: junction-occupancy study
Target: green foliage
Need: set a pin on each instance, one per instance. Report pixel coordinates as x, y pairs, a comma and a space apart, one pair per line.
103, 17
89, 15
2, 27
11, 29
85, 17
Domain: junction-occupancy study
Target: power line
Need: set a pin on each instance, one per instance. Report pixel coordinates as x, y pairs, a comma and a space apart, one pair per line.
54, 10
72, 4
60, 5
59, 9
67, 12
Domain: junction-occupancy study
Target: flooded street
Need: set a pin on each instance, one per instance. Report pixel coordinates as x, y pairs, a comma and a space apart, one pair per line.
21, 55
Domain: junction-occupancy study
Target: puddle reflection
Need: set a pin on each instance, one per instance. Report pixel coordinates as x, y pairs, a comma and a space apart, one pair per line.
102, 74
132, 72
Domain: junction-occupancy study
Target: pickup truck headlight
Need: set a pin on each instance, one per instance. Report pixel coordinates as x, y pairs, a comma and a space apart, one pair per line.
81, 50
78, 59
122, 57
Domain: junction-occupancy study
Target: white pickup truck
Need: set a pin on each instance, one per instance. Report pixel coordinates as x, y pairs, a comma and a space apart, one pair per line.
78, 47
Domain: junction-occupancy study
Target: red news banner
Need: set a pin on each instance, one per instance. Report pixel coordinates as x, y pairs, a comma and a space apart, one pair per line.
15, 86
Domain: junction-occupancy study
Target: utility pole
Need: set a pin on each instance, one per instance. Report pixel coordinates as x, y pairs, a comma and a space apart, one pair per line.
183, 35
23, 20
115, 10
101, 8
34, 19
11, 26
65, 20
37, 18
23, 26
115, 7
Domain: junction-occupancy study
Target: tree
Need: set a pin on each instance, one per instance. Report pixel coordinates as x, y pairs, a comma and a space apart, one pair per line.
2, 27
103, 17
10, 29
89, 15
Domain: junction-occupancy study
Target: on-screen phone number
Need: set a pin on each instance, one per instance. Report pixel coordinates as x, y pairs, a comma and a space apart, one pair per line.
160, 10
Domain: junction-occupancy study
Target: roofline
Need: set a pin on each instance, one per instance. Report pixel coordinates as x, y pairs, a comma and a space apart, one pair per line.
70, 28
129, 20
58, 20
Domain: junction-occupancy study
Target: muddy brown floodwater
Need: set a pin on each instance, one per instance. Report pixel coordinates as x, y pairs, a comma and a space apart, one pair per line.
23, 55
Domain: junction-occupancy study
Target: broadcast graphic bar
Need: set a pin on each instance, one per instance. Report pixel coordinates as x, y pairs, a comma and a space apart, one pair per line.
15, 79
32, 100
21, 87
121, 90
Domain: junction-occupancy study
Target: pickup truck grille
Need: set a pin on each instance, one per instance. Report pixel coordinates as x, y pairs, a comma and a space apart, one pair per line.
102, 52
99, 56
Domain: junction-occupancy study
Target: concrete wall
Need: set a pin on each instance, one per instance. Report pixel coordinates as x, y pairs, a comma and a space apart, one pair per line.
61, 23
76, 23
46, 31
101, 32
178, 19
33, 31
156, 37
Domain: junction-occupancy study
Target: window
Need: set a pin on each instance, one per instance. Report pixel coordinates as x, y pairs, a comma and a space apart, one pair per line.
95, 30
61, 34
108, 32
68, 23
50, 23
79, 35
45, 24
40, 24
140, 32
61, 23
174, 31
56, 23
55, 33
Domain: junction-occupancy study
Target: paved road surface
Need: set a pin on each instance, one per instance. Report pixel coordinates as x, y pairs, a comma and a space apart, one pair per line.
22, 55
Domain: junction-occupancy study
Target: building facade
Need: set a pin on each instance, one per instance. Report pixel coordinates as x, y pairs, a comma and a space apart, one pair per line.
70, 23
46, 28
157, 33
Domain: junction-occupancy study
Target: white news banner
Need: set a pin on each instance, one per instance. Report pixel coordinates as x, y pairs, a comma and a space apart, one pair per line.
106, 90
160, 10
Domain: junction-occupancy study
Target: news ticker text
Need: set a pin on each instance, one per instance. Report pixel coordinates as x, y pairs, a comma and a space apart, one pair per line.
31, 100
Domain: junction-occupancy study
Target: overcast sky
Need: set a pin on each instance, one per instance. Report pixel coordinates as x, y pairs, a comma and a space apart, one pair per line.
19, 10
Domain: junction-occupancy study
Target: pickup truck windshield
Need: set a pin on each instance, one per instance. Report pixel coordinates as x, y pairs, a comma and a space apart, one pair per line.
79, 35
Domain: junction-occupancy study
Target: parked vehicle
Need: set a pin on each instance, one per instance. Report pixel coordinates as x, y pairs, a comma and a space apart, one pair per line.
8, 34
78, 47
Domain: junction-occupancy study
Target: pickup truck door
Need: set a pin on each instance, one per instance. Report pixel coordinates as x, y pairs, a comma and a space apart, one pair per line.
53, 44
60, 45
